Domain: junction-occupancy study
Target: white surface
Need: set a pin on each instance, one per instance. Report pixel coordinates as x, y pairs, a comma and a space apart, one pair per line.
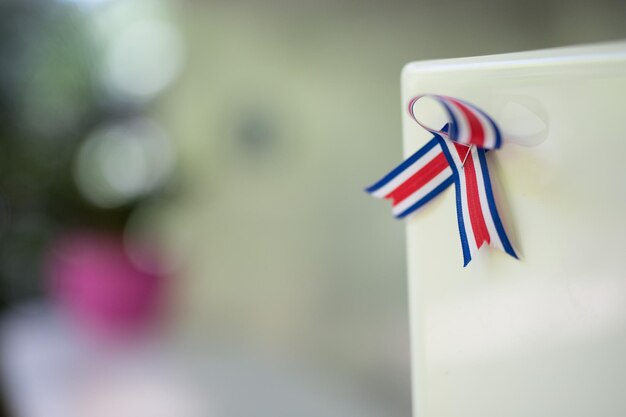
544, 336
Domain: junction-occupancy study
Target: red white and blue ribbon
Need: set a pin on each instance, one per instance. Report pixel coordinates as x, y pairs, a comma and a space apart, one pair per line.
455, 155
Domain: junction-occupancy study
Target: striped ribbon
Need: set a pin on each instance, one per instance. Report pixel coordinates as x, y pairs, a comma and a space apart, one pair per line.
455, 155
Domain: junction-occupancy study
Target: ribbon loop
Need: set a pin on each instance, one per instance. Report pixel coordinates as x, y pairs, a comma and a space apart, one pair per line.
468, 124
455, 155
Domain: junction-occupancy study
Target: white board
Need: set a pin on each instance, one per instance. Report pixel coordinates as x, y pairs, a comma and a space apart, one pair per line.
544, 336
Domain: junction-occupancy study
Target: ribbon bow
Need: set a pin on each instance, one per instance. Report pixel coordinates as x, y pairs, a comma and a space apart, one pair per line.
455, 155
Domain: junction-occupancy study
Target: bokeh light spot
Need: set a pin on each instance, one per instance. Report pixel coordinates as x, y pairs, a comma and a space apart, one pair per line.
142, 60
119, 163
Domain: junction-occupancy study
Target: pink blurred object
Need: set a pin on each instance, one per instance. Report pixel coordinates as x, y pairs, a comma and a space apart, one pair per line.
103, 289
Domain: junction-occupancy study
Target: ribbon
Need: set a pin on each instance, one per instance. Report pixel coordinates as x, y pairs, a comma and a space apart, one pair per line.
455, 155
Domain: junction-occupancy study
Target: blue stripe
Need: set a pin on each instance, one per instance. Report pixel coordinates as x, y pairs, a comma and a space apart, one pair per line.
494, 127
453, 126
403, 166
434, 193
459, 203
492, 205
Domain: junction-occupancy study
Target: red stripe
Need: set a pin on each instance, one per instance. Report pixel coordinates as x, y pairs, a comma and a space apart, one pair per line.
481, 234
477, 134
419, 179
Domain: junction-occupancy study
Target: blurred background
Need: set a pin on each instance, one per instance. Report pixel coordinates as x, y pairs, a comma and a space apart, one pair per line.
183, 230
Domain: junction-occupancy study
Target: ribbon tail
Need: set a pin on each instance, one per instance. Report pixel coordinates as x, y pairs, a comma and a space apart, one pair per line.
477, 214
416, 181
500, 237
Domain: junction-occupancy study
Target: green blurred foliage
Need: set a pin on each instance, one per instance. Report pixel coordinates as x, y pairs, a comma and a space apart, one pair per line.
49, 101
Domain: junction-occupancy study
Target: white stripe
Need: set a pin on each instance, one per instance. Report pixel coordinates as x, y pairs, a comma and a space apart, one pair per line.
484, 204
462, 127
469, 232
455, 157
422, 192
386, 189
